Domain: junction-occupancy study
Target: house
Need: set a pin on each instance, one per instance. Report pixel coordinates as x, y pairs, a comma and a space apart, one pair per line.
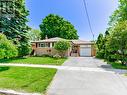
79, 48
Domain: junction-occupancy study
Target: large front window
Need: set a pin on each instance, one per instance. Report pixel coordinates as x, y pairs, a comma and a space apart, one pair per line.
44, 45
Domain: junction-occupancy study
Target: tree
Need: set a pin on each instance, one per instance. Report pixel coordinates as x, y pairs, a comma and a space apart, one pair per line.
117, 42
15, 27
62, 47
7, 48
120, 14
100, 46
35, 35
56, 26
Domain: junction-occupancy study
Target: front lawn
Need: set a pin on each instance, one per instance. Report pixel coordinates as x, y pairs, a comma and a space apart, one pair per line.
35, 60
117, 65
26, 79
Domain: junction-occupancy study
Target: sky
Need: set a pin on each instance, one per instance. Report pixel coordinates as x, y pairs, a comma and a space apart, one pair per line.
74, 11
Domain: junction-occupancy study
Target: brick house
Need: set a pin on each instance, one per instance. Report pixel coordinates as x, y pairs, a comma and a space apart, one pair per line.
79, 48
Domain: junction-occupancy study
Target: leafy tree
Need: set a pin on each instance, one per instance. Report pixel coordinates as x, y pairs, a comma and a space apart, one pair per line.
62, 47
34, 35
117, 42
114, 42
7, 48
117, 28
120, 14
56, 26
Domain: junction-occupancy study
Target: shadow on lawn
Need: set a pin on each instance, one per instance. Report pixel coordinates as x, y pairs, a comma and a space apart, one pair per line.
4, 68
9, 60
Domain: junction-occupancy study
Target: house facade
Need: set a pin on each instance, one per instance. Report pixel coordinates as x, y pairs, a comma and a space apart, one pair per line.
79, 48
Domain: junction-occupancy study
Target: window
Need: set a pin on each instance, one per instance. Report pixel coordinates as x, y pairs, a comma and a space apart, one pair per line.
44, 45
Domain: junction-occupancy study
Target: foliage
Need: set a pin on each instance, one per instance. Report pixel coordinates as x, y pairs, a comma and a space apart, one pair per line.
24, 49
100, 46
34, 35
33, 80
56, 26
117, 42
117, 65
15, 28
7, 48
62, 47
120, 14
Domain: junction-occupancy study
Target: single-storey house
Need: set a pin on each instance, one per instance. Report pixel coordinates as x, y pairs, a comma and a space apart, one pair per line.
79, 48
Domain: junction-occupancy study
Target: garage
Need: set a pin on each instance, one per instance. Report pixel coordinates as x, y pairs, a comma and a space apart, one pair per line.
85, 50
82, 48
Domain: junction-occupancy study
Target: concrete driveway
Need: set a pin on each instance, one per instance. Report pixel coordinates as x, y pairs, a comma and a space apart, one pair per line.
91, 82
90, 62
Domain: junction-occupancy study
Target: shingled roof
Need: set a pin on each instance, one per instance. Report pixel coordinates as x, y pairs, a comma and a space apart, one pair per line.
80, 42
56, 39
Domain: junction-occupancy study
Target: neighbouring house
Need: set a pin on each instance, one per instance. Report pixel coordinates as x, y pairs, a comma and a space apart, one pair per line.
79, 48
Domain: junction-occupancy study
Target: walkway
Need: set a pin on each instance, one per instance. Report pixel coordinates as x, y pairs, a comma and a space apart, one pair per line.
65, 67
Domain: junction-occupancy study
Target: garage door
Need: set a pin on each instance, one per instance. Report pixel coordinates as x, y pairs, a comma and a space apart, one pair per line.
84, 51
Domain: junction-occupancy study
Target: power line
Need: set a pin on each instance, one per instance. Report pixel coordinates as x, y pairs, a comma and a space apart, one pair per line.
88, 17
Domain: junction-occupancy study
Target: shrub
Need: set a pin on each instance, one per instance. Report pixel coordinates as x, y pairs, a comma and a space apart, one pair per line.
7, 48
100, 54
24, 49
62, 47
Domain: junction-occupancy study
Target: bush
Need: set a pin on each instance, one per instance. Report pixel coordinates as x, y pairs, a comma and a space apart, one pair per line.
100, 54
62, 47
111, 58
7, 48
24, 49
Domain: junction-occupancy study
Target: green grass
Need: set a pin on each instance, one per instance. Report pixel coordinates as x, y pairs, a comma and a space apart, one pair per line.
117, 65
26, 79
35, 60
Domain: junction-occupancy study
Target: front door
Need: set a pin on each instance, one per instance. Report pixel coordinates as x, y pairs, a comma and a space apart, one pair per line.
75, 51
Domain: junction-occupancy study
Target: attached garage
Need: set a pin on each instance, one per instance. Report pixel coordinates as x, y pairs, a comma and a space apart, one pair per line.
85, 50
82, 48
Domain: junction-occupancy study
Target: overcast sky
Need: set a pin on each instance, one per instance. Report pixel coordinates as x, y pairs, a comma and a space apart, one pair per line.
74, 11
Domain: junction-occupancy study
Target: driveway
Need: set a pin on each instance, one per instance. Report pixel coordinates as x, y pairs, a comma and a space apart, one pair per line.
85, 62
87, 82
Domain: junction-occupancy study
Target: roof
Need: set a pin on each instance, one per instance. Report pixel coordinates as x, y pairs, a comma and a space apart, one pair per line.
56, 39
81, 42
